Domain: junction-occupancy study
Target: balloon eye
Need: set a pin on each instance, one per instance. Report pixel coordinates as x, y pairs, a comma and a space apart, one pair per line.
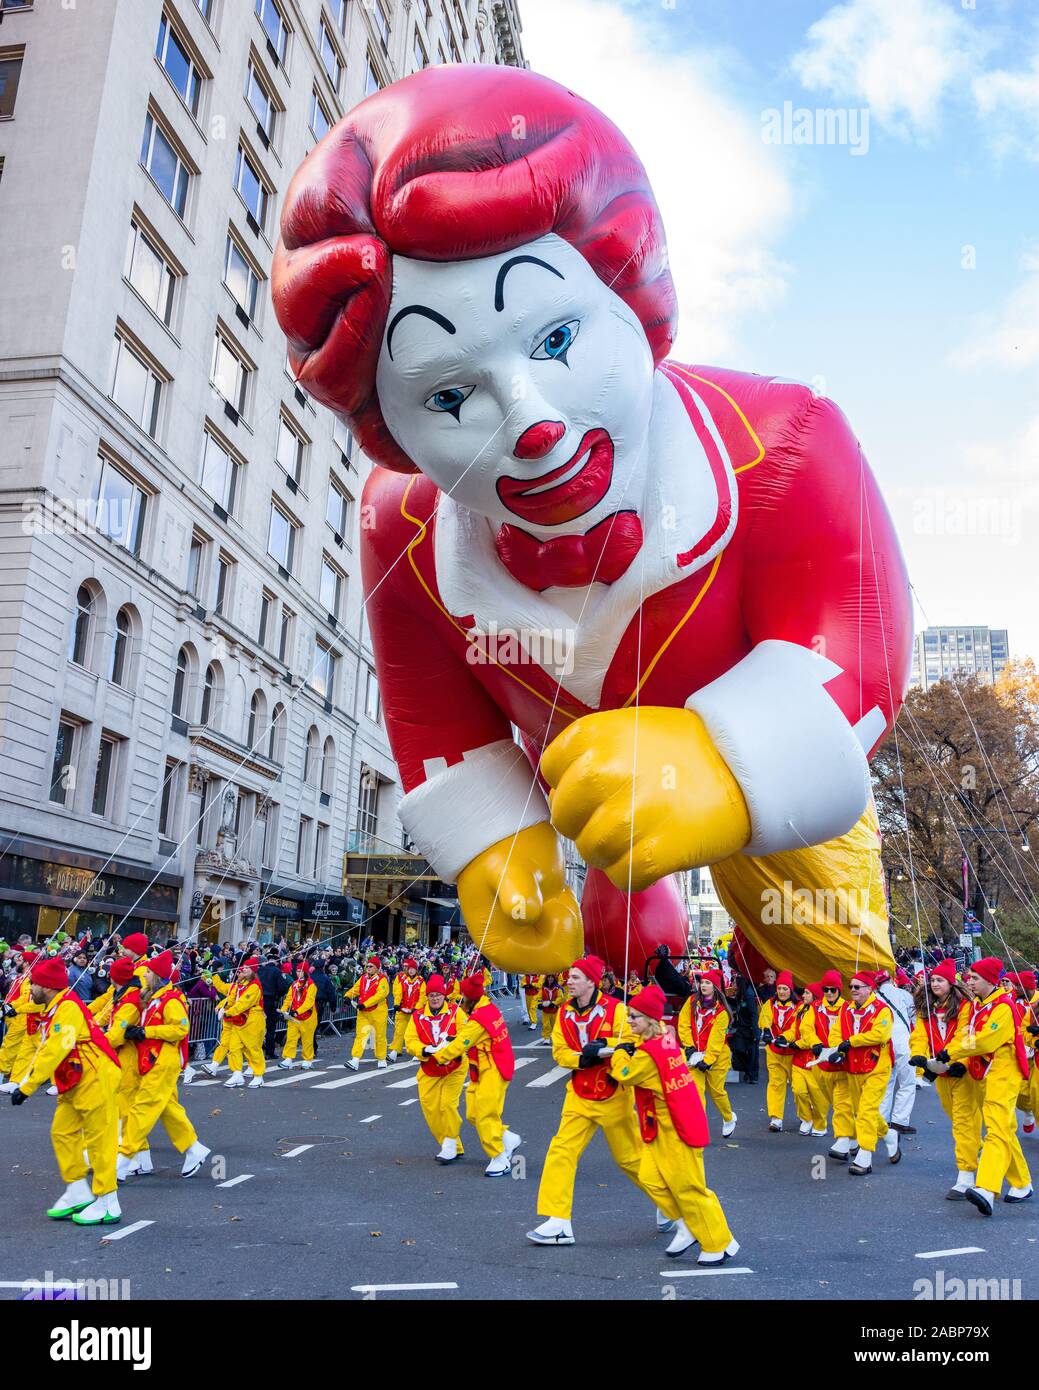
450, 400
558, 343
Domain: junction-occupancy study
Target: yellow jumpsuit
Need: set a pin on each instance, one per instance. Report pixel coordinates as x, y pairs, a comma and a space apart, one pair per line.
780, 1065
671, 1173
531, 994
438, 1096
101, 1007
125, 1014
960, 1098
85, 1116
1001, 1155
27, 1043
867, 1089
550, 999
1028, 1097
809, 1092
224, 1041
14, 1038
371, 1018
300, 1032
581, 1117
717, 1055
156, 1095
484, 1096
834, 1085
245, 1041
402, 1017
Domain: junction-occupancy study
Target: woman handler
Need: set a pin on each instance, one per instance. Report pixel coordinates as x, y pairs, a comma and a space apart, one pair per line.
940, 1005
809, 1091
703, 1025
434, 1023
300, 1009
775, 1018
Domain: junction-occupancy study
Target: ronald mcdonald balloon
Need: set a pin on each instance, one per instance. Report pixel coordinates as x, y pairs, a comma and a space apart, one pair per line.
678, 585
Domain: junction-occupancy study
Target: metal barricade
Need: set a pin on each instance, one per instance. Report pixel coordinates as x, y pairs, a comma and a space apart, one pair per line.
338, 1020
205, 1028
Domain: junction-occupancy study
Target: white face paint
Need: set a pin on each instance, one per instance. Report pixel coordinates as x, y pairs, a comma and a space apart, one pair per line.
485, 350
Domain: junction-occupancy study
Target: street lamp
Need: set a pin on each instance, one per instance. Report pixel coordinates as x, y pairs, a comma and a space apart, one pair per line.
197, 905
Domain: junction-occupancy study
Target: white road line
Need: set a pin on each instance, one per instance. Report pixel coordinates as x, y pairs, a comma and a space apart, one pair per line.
354, 1077
960, 1250
299, 1149
233, 1182
550, 1077
396, 1288
368, 1119
403, 1085
412, 1101
108, 1234
702, 1273
197, 1085
291, 1080
525, 1062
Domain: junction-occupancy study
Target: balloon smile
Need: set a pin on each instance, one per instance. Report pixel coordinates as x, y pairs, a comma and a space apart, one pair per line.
569, 491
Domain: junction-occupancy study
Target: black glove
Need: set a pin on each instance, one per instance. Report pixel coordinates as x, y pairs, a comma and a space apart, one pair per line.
703, 1066
783, 1042
628, 1047
766, 1036
8, 1011
1033, 1028
816, 1049
18, 1097
942, 1056
956, 1069
844, 1047
590, 1052
662, 952
135, 1033
919, 1062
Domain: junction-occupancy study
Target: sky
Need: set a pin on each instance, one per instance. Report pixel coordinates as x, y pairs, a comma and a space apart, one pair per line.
892, 262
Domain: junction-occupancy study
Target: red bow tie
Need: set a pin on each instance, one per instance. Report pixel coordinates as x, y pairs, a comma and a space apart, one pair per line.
600, 556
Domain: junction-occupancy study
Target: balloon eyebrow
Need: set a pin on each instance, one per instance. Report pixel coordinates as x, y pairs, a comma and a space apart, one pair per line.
499, 284
430, 314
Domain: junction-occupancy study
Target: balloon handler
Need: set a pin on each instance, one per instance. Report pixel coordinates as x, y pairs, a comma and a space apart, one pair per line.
434, 1023
490, 310
243, 1010
73, 1051
409, 994
371, 990
299, 1009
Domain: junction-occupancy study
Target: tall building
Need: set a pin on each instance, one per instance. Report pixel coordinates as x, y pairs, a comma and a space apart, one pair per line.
941, 652
190, 730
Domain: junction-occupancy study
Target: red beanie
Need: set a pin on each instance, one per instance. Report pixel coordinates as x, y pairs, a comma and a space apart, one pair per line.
815, 989
121, 970
374, 960
650, 1002
785, 978
412, 962
989, 968
715, 978
253, 963
865, 976
592, 967
136, 942
472, 987
303, 966
30, 957
435, 985
832, 980
1025, 979
901, 978
50, 973
946, 969
161, 965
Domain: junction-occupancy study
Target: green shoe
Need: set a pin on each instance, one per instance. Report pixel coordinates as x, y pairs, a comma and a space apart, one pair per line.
63, 1213
99, 1212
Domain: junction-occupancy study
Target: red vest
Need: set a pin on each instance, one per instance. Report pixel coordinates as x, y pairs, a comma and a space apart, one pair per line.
590, 1083
434, 1030
69, 1071
233, 995
680, 1095
369, 985
803, 1055
827, 1025
781, 1017
488, 1016
410, 993
531, 984
12, 993
938, 1028
701, 1023
550, 998
299, 993
154, 1015
862, 1060
977, 1021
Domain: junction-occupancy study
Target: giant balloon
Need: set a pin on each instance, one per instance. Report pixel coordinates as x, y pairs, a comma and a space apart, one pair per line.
655, 609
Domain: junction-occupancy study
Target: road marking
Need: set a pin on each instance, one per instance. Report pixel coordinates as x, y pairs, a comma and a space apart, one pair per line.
354, 1077
197, 1085
299, 1149
368, 1119
402, 1085
397, 1288
125, 1230
412, 1101
550, 1077
524, 1062
702, 1273
233, 1182
291, 1080
960, 1250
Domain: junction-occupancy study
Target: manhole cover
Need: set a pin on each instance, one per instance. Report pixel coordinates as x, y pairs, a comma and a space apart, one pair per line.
315, 1139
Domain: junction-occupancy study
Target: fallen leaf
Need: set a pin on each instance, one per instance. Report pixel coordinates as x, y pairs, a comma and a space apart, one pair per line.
407, 1242
375, 1233
234, 1218
399, 1162
214, 1113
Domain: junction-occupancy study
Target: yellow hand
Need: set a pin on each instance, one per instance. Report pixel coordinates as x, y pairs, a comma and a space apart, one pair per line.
685, 809
517, 906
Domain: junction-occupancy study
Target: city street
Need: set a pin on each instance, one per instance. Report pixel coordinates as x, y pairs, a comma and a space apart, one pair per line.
325, 1187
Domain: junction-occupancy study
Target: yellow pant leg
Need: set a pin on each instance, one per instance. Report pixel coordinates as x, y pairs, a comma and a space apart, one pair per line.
23, 1062
484, 1103
129, 1080
379, 1026
556, 1189
12, 1046
651, 1180
253, 1035
779, 1069
362, 1028
400, 1027
716, 1086
438, 1097
531, 1003
235, 1048
1001, 1155
621, 1132
867, 1093
67, 1139
839, 1089
150, 1100
223, 1046
809, 1096
959, 1100
683, 1172
307, 1029
174, 1119
548, 1023
292, 1040
100, 1117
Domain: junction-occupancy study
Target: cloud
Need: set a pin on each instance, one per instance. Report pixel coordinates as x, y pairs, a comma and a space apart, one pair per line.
898, 57
1009, 101
724, 195
1010, 338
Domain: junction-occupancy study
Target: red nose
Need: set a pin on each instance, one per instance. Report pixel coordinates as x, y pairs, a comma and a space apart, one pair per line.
535, 442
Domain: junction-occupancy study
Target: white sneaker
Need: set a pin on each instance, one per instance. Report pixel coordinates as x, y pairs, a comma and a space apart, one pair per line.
141, 1163
306, 1066
512, 1142
392, 1056
75, 1197
499, 1167
248, 1071
682, 1241
665, 1223
448, 1151
552, 1232
818, 1133
1018, 1194
381, 1066
805, 1127
354, 1064
287, 1065
8, 1087
188, 1074
208, 1068
194, 1159
256, 1083
775, 1126
52, 1090
711, 1257
729, 1126
235, 1079
103, 1211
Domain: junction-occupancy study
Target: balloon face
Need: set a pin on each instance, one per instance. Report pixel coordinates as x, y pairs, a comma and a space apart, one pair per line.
520, 384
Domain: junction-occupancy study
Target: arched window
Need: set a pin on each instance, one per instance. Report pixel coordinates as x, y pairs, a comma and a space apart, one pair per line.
180, 682
257, 721
276, 743
328, 766
120, 672
79, 641
209, 693
310, 756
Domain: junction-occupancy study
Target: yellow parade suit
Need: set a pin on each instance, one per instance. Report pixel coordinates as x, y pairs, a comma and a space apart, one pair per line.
776, 1018
74, 1052
988, 1039
671, 1166
160, 1060
1031, 1018
960, 1096
809, 1092
550, 999
833, 1078
371, 993
531, 996
300, 1004
101, 1007
19, 999
704, 1030
485, 1038
867, 1029
126, 1013
439, 1083
593, 1100
224, 1041
243, 1010
409, 994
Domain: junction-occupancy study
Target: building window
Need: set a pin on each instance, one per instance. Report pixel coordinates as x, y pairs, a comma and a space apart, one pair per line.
210, 695
323, 677
10, 72
240, 278
105, 775
121, 648
251, 188
338, 509
261, 103
321, 853
151, 275
320, 120
328, 766
63, 768
285, 635
276, 740
310, 756
230, 374
135, 387
420, 53
372, 703
224, 584
119, 506
330, 56
79, 641
303, 844
168, 801
381, 23
196, 555
165, 165
342, 438
371, 78
368, 804
332, 584
179, 67
267, 601
274, 26
291, 449
180, 683
203, 813
281, 539
338, 8
219, 475
257, 720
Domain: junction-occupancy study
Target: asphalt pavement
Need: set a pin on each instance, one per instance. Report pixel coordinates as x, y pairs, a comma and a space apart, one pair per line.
323, 1186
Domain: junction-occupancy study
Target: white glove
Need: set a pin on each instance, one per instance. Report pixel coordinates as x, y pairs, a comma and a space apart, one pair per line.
430, 1048
830, 1054
695, 1058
